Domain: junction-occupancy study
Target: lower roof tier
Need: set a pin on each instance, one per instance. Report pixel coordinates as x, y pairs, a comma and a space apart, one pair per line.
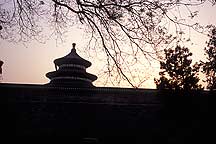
72, 74
70, 82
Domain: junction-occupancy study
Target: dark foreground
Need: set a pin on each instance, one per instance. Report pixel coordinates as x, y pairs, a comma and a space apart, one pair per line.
108, 115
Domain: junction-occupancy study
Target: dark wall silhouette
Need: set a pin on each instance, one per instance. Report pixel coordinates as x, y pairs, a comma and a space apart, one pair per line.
105, 115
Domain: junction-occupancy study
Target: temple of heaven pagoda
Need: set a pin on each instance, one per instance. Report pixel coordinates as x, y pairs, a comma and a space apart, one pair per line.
70, 105
71, 71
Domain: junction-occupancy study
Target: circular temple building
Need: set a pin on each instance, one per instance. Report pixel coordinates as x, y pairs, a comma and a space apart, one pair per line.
71, 71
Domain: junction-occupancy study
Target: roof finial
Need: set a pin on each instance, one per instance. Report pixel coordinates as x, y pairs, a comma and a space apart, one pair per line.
73, 45
73, 50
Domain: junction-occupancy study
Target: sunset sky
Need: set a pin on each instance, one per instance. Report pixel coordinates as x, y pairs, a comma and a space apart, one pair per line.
29, 62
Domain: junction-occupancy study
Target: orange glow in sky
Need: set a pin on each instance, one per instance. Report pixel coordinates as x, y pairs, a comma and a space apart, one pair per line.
29, 62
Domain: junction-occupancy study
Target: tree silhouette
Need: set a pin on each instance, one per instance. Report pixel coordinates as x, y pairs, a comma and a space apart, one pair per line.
1, 63
142, 24
177, 72
209, 67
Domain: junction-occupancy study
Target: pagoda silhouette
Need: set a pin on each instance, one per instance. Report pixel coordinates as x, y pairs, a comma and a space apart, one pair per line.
71, 71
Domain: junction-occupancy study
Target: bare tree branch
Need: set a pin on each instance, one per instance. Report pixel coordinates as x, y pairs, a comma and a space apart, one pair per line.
142, 25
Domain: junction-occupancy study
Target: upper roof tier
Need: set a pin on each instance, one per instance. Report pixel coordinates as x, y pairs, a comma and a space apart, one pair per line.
72, 57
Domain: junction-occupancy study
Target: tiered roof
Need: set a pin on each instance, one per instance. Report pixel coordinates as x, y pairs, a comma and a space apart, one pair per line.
71, 71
